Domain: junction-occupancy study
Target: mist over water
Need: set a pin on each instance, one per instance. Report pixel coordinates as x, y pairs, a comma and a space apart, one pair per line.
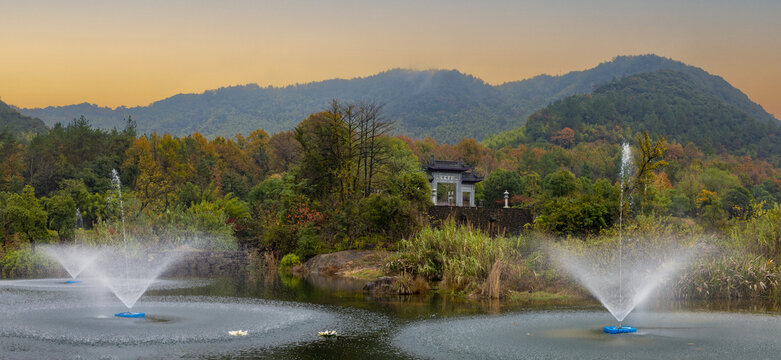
129, 275
73, 258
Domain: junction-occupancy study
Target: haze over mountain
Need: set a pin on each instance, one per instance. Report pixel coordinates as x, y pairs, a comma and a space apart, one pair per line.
16, 123
444, 104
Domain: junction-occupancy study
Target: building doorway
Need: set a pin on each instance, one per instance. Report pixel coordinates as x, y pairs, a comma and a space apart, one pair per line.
446, 194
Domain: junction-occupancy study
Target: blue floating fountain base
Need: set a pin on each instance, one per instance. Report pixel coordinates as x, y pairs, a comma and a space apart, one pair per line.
128, 314
73, 281
619, 329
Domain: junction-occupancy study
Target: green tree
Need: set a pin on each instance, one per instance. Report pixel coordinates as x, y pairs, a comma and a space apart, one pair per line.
718, 180
737, 202
5, 223
410, 186
61, 212
559, 183
322, 138
680, 204
500, 181
26, 215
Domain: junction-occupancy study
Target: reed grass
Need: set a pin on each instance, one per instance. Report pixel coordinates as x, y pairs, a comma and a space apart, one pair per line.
462, 258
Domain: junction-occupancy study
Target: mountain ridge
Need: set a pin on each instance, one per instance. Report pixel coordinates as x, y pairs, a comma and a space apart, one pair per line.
15, 123
445, 104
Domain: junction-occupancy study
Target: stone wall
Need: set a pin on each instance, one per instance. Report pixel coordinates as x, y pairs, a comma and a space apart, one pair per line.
494, 220
207, 263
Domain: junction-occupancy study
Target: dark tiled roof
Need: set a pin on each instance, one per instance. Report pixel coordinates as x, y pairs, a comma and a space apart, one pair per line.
468, 177
445, 165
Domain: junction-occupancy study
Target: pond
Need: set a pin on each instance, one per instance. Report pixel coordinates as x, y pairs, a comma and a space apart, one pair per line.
190, 318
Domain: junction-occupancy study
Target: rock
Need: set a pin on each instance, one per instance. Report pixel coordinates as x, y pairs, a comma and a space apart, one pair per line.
338, 262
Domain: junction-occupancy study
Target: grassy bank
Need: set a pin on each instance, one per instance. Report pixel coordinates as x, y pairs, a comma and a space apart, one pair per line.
739, 260
466, 260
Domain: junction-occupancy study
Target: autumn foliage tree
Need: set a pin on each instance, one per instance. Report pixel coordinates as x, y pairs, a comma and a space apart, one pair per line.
564, 137
650, 158
160, 168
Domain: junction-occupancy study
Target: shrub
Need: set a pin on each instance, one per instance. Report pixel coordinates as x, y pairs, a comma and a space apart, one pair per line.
25, 264
308, 243
388, 215
575, 216
289, 260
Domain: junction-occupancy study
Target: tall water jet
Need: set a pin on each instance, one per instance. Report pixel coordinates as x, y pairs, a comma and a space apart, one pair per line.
117, 183
79, 224
626, 165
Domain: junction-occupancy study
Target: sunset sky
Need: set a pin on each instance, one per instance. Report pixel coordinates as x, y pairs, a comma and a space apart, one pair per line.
134, 52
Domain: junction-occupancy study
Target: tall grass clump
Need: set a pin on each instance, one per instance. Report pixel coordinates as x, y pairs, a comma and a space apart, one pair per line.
743, 262
463, 258
759, 235
729, 277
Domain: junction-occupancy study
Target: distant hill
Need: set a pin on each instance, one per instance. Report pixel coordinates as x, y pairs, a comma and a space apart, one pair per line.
444, 104
16, 123
675, 104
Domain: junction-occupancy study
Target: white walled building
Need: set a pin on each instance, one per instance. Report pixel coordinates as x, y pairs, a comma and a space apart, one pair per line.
461, 183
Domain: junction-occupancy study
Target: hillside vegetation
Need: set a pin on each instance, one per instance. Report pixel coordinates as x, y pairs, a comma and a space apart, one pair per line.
664, 103
15, 123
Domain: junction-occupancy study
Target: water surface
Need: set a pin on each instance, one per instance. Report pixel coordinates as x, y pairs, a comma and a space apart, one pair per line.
189, 318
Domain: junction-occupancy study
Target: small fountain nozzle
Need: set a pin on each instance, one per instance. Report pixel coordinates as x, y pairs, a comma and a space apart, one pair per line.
130, 314
619, 329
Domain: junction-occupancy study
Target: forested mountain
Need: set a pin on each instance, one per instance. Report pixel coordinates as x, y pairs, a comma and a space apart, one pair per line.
669, 103
530, 95
446, 105
16, 123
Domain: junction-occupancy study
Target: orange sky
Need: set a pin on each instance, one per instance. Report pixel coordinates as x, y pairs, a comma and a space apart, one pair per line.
132, 53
